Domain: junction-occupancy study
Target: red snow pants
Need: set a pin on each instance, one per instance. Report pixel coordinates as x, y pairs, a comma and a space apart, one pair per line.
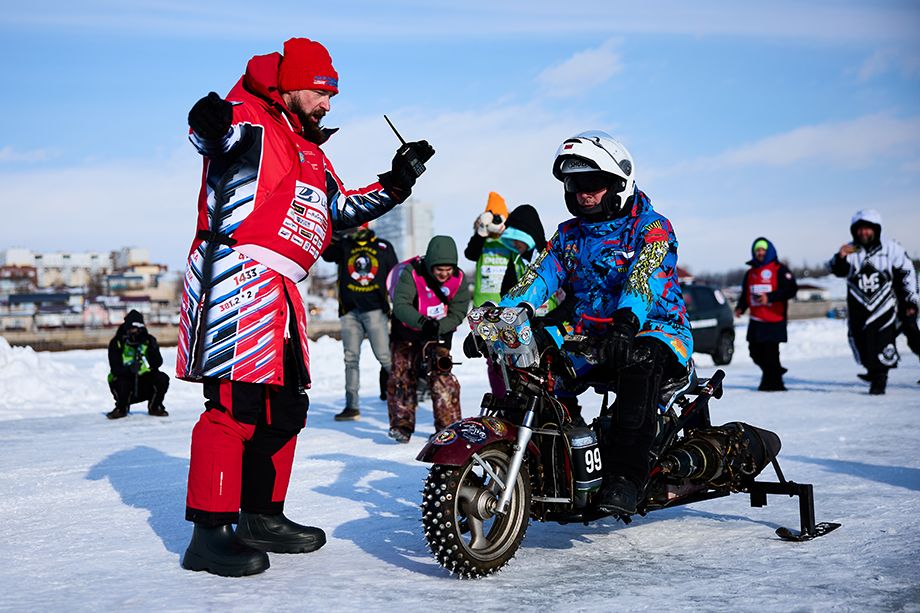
243, 449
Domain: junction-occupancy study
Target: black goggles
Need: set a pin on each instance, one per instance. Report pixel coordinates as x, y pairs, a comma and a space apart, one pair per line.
586, 182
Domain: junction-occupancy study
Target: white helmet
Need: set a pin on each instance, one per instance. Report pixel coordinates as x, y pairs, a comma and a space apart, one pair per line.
591, 161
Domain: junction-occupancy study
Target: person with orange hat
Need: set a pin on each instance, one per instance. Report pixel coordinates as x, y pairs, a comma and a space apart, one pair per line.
269, 202
488, 251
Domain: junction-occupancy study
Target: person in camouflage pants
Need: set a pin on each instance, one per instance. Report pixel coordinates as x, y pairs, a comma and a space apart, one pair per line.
430, 300
408, 366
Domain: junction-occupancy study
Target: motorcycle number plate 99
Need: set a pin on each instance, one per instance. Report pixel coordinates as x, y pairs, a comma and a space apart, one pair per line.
587, 468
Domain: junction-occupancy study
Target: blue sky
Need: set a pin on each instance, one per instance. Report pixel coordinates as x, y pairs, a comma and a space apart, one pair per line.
777, 119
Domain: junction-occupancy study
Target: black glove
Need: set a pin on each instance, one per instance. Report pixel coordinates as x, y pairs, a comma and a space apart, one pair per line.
211, 117
135, 367
471, 346
619, 337
409, 164
543, 339
430, 329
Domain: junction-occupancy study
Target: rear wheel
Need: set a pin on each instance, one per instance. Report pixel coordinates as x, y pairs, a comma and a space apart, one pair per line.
458, 514
725, 349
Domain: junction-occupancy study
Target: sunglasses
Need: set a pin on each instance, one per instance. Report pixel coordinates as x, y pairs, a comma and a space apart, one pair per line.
586, 182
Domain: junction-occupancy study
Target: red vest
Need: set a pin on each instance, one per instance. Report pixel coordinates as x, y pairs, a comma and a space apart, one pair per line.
763, 280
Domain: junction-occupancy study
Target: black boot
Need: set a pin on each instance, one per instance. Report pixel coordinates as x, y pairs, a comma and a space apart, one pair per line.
384, 378
117, 413
156, 410
772, 381
220, 552
347, 414
618, 495
878, 383
278, 534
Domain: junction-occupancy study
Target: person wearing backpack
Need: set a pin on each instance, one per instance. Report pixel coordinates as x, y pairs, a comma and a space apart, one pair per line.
430, 299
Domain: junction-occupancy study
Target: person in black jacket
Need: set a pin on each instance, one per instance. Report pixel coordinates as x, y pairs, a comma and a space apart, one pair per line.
134, 362
767, 288
364, 261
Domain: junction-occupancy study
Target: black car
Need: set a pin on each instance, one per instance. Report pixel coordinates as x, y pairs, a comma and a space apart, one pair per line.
712, 321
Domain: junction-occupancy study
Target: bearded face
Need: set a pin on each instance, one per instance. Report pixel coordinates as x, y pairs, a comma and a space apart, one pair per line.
310, 106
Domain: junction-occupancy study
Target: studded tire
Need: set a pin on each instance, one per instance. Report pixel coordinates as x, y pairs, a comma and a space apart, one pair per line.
465, 539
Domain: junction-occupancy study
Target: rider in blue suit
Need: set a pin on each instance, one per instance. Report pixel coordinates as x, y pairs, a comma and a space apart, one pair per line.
617, 262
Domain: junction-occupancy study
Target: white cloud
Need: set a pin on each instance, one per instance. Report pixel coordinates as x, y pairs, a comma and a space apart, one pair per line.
883, 61
145, 203
846, 144
582, 72
10, 155
719, 237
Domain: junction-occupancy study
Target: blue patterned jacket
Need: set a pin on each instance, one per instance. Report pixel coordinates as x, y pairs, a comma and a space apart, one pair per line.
627, 262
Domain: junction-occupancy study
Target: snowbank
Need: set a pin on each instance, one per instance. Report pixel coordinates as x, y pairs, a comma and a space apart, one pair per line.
33, 382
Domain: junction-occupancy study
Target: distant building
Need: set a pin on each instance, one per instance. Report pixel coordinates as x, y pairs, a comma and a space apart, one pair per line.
409, 227
128, 257
15, 279
127, 270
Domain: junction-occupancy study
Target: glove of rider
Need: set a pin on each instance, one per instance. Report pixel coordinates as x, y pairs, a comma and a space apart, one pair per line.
211, 117
489, 223
471, 346
135, 367
620, 337
430, 329
542, 338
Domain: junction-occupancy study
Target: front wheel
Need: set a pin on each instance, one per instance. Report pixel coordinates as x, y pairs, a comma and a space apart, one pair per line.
458, 514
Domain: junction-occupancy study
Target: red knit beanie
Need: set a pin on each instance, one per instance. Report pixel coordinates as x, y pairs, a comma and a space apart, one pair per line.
306, 65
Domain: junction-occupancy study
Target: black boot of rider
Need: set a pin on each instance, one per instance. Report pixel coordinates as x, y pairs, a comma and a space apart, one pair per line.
219, 551
278, 534
618, 495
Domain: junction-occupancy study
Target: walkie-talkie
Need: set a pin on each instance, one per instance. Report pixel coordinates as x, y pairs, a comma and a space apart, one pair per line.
407, 152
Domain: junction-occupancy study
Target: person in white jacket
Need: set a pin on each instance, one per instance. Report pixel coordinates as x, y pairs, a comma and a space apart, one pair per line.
880, 277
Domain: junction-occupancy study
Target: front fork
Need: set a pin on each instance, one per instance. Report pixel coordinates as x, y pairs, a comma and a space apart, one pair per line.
525, 433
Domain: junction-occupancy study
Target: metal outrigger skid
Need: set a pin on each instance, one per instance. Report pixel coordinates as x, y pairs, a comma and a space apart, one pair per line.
808, 528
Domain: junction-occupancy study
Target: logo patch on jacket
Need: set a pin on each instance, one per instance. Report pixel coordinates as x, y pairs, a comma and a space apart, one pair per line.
306, 221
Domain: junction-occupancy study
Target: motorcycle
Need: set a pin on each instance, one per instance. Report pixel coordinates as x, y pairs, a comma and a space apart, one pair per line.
524, 458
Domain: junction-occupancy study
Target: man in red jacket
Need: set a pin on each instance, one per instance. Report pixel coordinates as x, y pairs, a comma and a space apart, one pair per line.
268, 204
767, 288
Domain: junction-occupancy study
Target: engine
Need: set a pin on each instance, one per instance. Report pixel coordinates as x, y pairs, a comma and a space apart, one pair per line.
728, 456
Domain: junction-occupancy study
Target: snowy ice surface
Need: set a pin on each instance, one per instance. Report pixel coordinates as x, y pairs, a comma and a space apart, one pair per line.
93, 509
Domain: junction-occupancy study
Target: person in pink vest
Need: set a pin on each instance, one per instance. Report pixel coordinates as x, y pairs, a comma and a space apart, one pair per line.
767, 288
268, 204
430, 300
